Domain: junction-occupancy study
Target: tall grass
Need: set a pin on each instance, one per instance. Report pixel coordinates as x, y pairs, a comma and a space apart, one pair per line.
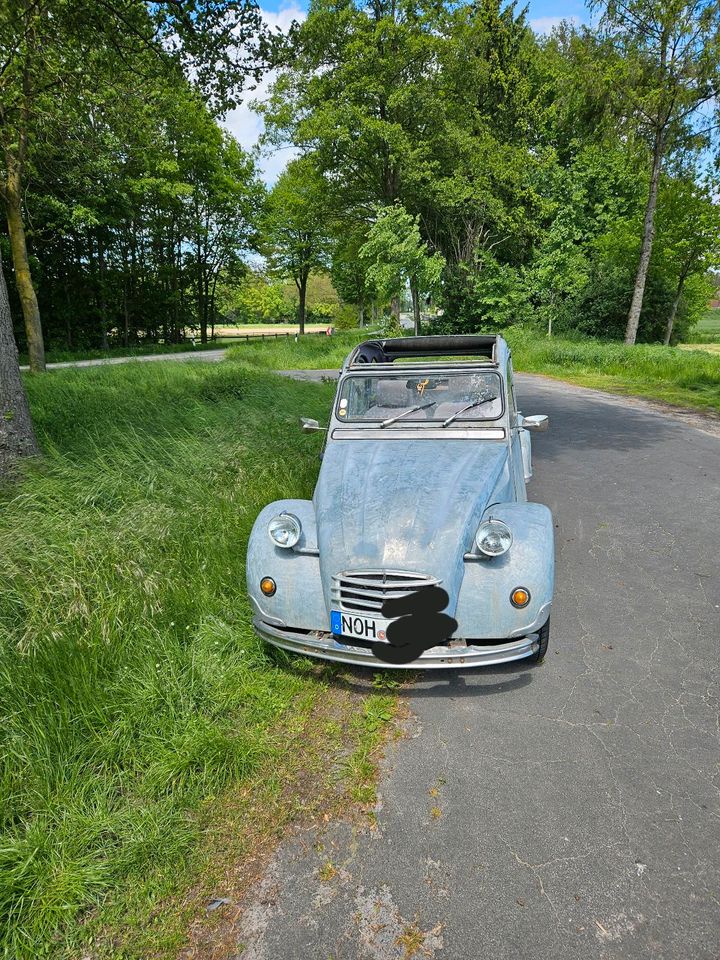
308, 353
707, 330
131, 685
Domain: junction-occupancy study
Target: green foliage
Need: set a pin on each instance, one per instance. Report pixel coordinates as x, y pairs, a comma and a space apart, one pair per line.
136, 219
346, 317
526, 173
394, 255
255, 300
294, 228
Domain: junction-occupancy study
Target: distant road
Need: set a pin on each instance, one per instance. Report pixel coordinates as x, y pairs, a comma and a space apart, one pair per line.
213, 355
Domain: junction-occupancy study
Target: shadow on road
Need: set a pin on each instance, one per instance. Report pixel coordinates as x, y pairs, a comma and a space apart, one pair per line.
575, 425
428, 684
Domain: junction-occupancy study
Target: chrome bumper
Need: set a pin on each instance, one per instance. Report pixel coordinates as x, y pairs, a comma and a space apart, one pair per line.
318, 644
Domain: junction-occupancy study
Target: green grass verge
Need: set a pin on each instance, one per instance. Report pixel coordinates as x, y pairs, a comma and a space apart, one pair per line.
133, 690
307, 354
68, 356
707, 332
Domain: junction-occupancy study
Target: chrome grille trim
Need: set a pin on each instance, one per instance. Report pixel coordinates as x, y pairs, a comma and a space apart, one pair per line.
365, 591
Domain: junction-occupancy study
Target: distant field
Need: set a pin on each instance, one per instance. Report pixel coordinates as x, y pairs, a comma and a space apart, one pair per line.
245, 328
706, 335
710, 323
709, 347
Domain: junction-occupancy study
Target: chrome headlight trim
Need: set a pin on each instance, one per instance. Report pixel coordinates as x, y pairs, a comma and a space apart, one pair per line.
284, 530
493, 538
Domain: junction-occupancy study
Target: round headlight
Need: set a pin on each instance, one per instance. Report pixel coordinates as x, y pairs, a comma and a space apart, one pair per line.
493, 538
284, 530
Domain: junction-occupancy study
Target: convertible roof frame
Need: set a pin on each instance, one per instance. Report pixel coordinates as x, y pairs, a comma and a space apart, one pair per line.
395, 348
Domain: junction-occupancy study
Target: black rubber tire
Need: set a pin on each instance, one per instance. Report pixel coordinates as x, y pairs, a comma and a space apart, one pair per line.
544, 638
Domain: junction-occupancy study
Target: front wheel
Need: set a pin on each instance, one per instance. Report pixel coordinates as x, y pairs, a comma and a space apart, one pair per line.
543, 639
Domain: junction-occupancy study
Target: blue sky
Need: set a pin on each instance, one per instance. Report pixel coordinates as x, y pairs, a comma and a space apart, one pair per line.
245, 124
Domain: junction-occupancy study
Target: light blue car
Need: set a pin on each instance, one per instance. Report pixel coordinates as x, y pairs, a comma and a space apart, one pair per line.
422, 482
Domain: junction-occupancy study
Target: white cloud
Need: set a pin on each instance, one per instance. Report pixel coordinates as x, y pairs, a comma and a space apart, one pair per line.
546, 25
243, 122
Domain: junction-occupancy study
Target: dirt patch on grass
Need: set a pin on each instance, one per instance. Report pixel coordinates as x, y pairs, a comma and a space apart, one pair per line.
324, 768
332, 776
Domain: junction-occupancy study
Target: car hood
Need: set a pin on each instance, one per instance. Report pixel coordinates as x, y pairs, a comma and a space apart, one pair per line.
406, 505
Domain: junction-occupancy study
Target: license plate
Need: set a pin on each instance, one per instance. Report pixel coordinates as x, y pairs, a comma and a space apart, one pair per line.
357, 627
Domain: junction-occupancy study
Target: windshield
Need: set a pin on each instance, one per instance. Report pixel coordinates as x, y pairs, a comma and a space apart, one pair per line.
445, 399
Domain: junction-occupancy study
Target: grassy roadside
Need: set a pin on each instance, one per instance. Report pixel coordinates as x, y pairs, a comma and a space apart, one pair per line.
226, 336
307, 354
144, 730
135, 698
684, 378
323, 765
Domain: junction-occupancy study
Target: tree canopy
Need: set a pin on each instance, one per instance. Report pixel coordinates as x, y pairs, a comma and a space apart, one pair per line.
564, 182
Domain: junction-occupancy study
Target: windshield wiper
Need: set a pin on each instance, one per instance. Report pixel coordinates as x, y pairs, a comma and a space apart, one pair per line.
420, 406
475, 403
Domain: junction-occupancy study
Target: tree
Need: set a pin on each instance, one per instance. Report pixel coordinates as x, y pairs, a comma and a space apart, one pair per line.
395, 256
53, 53
294, 228
665, 63
221, 205
689, 234
431, 105
348, 271
17, 438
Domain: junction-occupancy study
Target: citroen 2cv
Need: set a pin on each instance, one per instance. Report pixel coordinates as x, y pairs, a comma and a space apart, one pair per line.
422, 483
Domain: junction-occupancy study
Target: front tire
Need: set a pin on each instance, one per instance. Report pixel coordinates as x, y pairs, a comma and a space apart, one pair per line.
543, 639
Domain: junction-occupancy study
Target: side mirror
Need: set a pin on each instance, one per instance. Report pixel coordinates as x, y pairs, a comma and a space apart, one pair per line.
309, 425
539, 422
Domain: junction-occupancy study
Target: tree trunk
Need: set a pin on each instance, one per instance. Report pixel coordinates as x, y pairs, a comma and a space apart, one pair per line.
395, 308
674, 307
633, 319
415, 305
102, 305
23, 276
302, 292
126, 315
361, 311
17, 437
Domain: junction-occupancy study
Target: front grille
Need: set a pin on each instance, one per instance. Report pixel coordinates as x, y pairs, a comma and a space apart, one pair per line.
365, 591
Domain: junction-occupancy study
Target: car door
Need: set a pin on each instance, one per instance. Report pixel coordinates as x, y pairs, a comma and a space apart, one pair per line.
519, 441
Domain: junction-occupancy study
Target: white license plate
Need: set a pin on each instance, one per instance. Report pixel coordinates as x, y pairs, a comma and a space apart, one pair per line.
358, 627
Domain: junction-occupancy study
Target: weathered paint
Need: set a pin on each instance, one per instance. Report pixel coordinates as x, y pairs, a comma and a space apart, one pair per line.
405, 505
411, 504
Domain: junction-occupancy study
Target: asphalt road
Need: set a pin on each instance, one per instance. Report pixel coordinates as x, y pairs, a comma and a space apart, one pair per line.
565, 810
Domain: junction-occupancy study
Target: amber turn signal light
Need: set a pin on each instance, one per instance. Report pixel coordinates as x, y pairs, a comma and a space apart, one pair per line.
268, 586
520, 597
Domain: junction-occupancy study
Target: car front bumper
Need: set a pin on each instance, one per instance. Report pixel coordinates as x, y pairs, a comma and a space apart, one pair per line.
316, 643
